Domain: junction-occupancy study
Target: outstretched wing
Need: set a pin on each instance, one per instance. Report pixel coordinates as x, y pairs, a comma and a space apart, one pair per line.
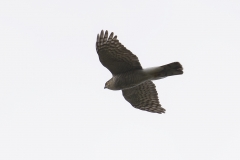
144, 97
114, 56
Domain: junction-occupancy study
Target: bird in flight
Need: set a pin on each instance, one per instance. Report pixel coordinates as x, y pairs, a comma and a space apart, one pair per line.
129, 76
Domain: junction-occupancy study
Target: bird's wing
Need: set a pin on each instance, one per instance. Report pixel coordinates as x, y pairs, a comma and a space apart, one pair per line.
114, 56
144, 97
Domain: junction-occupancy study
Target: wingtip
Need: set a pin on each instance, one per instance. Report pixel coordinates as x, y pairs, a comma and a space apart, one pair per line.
106, 32
111, 35
105, 36
102, 33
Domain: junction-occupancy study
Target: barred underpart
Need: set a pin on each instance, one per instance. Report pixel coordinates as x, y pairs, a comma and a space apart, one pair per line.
144, 97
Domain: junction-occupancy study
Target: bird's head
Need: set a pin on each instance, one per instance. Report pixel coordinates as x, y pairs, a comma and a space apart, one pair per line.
107, 85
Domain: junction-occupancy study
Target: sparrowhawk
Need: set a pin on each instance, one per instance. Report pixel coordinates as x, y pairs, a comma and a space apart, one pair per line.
129, 76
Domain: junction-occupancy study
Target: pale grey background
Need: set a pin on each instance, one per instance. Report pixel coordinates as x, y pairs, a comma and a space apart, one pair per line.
52, 102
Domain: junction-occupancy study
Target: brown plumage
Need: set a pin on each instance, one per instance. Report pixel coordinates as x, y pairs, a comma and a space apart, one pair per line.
114, 56
129, 76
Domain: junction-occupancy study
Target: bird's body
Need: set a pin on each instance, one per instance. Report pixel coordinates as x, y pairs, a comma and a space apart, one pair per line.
128, 80
133, 78
129, 76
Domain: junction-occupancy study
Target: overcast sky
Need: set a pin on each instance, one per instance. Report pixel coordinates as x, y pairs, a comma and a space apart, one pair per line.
52, 102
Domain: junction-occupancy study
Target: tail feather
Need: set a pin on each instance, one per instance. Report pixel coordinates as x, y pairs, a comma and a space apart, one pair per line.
171, 69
